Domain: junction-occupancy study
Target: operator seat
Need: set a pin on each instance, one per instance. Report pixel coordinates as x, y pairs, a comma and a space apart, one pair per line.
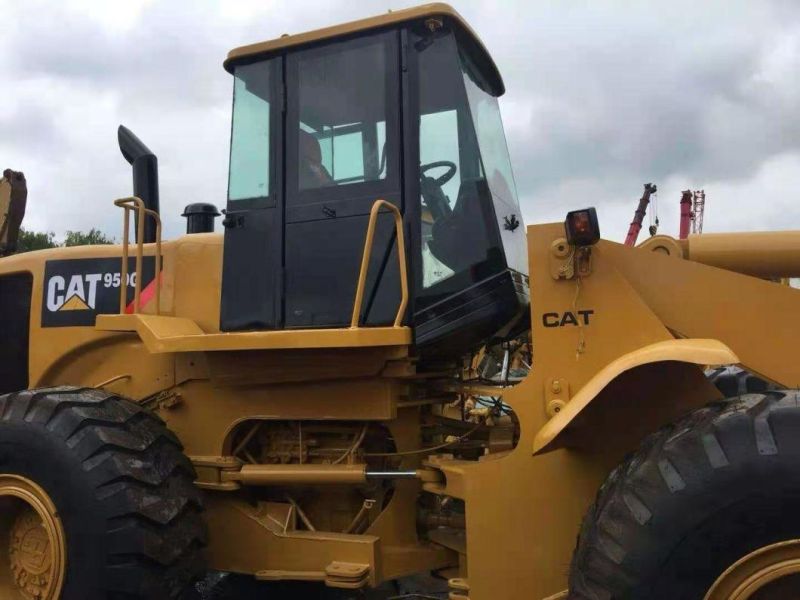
313, 173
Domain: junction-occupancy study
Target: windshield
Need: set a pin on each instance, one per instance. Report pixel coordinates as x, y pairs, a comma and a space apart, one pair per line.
488, 124
495, 160
466, 181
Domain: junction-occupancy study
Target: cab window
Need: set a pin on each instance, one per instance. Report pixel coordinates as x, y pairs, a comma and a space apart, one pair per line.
343, 99
251, 156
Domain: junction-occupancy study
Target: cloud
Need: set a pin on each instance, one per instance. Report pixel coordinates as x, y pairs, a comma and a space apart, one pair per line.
764, 197
602, 97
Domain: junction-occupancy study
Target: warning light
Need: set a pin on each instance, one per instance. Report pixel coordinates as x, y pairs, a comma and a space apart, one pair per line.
582, 227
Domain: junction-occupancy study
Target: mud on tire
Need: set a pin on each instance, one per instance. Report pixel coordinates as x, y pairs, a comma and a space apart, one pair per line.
122, 486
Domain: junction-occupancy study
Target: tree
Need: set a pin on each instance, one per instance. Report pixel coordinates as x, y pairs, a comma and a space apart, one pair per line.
33, 240
93, 237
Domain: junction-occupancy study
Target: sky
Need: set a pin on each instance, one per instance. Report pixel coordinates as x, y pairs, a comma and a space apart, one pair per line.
602, 97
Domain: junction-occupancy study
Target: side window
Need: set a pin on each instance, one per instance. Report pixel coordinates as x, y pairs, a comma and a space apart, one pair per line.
342, 106
343, 154
15, 310
347, 154
250, 167
438, 141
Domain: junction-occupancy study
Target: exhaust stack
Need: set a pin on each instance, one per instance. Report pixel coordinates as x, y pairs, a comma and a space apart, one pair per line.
145, 175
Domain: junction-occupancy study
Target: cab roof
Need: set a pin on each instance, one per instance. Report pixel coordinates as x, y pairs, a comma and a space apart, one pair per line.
438, 9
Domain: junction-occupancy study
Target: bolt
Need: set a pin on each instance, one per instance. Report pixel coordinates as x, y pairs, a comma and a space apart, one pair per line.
554, 406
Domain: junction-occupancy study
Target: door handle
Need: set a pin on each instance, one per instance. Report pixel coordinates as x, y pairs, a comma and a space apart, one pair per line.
233, 221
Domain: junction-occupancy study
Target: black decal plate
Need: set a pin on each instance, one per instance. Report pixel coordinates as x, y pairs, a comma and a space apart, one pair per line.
76, 291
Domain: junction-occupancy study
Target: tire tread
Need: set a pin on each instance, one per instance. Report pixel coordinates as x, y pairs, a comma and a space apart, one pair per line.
140, 477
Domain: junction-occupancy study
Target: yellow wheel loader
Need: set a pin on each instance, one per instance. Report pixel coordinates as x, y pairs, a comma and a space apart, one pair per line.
294, 399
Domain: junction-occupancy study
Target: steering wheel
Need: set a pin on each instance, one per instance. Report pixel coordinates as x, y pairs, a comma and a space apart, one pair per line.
431, 188
442, 179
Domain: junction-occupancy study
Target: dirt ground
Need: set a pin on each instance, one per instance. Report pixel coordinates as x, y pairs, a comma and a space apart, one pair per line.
223, 586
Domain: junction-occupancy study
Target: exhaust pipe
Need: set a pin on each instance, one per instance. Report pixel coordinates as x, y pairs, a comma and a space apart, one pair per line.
145, 176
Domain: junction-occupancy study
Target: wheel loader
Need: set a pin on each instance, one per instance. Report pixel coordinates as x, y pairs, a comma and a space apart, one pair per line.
293, 399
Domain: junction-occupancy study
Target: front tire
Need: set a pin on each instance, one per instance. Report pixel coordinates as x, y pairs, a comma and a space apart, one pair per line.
698, 496
122, 490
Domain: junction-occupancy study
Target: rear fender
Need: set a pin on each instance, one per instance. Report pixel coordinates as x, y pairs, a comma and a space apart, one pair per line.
625, 373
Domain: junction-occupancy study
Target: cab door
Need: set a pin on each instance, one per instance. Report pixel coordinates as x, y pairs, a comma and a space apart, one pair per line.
343, 141
252, 263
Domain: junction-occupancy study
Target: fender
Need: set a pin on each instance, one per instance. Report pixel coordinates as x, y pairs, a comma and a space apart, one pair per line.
693, 351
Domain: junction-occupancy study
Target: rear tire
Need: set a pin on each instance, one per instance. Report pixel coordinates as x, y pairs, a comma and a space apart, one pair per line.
123, 489
698, 496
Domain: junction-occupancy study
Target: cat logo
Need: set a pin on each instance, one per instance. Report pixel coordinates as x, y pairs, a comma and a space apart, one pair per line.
577, 318
80, 293
75, 303
75, 291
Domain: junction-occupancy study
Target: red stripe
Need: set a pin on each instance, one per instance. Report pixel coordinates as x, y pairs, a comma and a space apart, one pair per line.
146, 295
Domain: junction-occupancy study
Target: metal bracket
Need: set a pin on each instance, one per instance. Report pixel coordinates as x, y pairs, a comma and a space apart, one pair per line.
347, 576
556, 395
210, 471
560, 259
567, 261
459, 588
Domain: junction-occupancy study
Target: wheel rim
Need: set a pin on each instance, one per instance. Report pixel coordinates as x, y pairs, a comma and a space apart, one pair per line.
769, 573
32, 542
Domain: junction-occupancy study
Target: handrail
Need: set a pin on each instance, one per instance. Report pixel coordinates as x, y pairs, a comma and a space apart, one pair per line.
401, 258
129, 205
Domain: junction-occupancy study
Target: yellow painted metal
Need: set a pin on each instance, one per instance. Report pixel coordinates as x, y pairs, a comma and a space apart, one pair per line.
699, 352
393, 17
766, 254
308, 474
759, 253
664, 244
754, 317
401, 258
175, 334
249, 544
33, 552
768, 573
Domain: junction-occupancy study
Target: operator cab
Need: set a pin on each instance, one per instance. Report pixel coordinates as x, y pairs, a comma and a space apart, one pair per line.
401, 108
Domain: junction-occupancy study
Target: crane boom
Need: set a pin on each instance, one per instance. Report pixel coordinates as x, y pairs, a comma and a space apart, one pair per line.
686, 213
698, 208
638, 216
